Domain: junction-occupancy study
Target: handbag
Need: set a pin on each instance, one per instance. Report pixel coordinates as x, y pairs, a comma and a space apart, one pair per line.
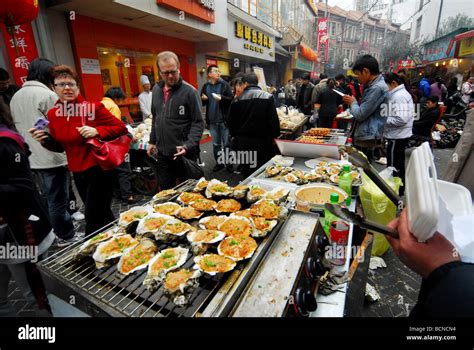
110, 154
191, 169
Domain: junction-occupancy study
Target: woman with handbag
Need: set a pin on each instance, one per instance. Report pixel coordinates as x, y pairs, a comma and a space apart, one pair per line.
80, 128
25, 230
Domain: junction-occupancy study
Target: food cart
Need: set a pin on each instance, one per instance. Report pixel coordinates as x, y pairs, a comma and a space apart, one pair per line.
282, 276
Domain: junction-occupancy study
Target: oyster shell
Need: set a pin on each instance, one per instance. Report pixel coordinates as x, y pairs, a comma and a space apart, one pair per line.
202, 239
188, 213
236, 226
278, 194
111, 249
285, 171
255, 193
175, 228
266, 208
152, 224
137, 257
168, 208
179, 285
245, 213
204, 204
227, 206
167, 260
238, 247
164, 195
262, 226
188, 197
132, 215
212, 264
313, 177
216, 188
201, 185
212, 222
88, 247
240, 191
273, 170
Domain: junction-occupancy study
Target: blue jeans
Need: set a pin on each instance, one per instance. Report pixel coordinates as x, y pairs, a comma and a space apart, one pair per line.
55, 188
220, 138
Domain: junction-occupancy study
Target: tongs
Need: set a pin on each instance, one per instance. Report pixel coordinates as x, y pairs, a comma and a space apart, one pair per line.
358, 220
359, 160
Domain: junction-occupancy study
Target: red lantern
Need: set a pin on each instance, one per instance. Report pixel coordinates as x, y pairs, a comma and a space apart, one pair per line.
16, 12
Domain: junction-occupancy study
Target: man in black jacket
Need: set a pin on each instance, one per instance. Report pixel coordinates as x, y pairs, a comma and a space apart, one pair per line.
303, 95
429, 116
253, 124
447, 288
217, 95
177, 122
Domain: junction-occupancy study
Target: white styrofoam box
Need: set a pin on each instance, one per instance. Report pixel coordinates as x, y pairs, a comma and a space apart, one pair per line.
422, 195
457, 198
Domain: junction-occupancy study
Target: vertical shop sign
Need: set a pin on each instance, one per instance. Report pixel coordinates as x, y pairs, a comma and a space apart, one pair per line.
21, 50
323, 39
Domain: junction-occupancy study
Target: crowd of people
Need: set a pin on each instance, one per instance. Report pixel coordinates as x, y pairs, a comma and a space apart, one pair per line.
46, 129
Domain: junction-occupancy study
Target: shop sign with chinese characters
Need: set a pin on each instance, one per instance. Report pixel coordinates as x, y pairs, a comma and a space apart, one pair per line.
21, 50
253, 36
203, 10
323, 39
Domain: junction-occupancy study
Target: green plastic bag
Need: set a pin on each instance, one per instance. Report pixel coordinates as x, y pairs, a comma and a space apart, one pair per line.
378, 208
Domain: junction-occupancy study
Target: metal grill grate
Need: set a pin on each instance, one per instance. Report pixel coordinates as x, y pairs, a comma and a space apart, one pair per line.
128, 296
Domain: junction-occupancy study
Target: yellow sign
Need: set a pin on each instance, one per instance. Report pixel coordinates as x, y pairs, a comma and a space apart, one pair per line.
467, 47
224, 67
243, 31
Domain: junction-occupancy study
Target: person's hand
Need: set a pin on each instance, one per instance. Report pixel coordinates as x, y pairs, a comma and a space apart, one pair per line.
423, 258
204, 97
348, 100
38, 135
151, 150
180, 151
88, 132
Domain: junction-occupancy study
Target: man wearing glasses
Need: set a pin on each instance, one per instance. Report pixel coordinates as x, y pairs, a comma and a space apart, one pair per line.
217, 95
177, 121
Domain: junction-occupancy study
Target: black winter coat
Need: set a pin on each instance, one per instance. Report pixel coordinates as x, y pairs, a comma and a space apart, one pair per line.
224, 104
18, 196
178, 122
253, 114
447, 292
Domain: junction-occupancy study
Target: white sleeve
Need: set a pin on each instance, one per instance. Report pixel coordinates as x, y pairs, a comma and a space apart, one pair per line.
144, 106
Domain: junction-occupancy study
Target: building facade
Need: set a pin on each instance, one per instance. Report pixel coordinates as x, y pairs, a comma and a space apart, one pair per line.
431, 14
352, 34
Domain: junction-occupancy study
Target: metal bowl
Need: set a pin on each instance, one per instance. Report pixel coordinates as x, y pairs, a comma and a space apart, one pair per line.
318, 194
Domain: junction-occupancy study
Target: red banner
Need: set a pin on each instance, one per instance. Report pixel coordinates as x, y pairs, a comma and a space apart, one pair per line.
323, 39
25, 52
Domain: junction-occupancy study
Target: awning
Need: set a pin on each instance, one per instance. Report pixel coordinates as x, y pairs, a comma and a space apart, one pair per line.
308, 53
280, 50
465, 35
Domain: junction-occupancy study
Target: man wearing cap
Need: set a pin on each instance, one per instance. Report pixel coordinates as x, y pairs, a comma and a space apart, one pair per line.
145, 97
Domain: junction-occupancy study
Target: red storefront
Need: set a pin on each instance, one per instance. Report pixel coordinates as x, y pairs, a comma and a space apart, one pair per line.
108, 54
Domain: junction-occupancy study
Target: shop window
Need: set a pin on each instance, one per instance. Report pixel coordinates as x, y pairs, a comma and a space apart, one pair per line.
123, 68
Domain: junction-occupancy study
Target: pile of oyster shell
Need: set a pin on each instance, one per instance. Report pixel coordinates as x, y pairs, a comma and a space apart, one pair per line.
217, 224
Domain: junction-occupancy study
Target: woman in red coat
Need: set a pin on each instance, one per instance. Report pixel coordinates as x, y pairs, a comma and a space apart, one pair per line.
71, 122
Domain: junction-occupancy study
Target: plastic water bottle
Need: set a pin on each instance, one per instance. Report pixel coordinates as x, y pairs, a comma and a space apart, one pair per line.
345, 182
328, 216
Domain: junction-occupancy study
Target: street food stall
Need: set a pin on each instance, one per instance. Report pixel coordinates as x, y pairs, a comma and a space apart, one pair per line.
207, 249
